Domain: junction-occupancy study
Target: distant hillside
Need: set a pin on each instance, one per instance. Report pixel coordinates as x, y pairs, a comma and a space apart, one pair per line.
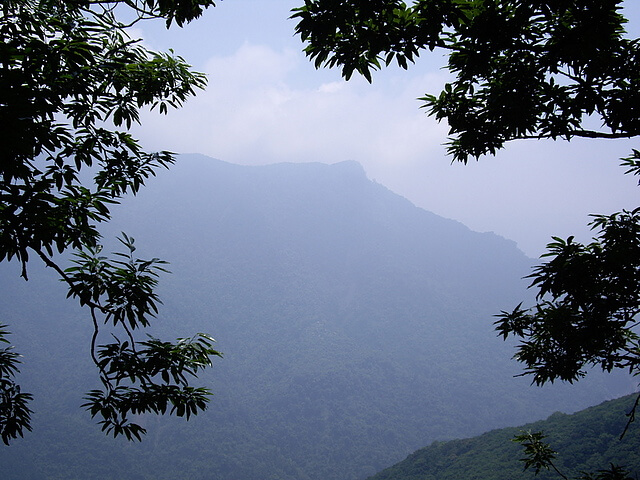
585, 441
355, 326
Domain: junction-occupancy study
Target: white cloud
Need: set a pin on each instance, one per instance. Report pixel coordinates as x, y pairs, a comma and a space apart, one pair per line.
250, 65
251, 113
331, 87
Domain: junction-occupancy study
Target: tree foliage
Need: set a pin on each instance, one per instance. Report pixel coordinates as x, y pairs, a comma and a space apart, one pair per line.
588, 301
72, 82
538, 454
522, 69
15, 415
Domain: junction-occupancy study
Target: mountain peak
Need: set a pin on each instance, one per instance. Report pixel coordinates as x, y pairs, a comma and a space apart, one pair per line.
356, 328
350, 167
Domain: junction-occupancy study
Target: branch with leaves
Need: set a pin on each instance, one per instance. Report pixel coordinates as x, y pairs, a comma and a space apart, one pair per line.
15, 415
588, 306
522, 69
137, 377
72, 83
588, 301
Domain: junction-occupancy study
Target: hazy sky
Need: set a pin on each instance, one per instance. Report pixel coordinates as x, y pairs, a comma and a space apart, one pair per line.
266, 103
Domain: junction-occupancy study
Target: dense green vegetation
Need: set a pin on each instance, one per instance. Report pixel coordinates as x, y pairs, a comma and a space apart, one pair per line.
587, 441
356, 328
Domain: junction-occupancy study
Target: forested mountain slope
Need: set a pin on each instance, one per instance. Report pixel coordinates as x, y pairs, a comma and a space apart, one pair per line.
355, 326
587, 441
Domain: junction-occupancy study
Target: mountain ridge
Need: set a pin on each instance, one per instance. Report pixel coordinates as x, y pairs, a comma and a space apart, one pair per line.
356, 328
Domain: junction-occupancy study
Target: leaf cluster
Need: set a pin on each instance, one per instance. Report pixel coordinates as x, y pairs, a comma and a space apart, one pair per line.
149, 378
15, 415
538, 454
137, 377
354, 35
178, 11
522, 69
122, 289
589, 298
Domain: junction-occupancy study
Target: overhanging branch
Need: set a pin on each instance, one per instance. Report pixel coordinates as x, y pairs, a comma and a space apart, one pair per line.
579, 133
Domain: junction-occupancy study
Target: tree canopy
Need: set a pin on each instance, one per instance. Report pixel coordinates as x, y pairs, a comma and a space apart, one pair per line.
523, 69
72, 82
589, 298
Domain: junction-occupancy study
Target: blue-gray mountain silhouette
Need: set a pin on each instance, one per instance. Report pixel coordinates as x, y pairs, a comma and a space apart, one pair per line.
356, 328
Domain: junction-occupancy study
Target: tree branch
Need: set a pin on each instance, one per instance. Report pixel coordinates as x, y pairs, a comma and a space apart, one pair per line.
50, 263
632, 416
579, 133
611, 135
94, 337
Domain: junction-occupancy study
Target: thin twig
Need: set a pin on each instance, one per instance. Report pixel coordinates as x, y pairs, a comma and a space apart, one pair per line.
94, 337
72, 285
133, 342
631, 415
558, 471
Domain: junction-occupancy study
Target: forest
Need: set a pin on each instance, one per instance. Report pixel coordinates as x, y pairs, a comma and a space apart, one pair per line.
586, 441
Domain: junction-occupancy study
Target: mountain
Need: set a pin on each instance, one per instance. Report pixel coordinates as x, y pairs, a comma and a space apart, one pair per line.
355, 328
586, 441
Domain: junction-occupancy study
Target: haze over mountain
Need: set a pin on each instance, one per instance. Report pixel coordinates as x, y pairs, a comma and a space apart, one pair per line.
356, 328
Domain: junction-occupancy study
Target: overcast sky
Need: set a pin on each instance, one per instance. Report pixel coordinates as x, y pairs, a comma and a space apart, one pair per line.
266, 103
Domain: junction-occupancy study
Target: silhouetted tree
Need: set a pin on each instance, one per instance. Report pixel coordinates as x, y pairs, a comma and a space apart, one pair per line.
72, 82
